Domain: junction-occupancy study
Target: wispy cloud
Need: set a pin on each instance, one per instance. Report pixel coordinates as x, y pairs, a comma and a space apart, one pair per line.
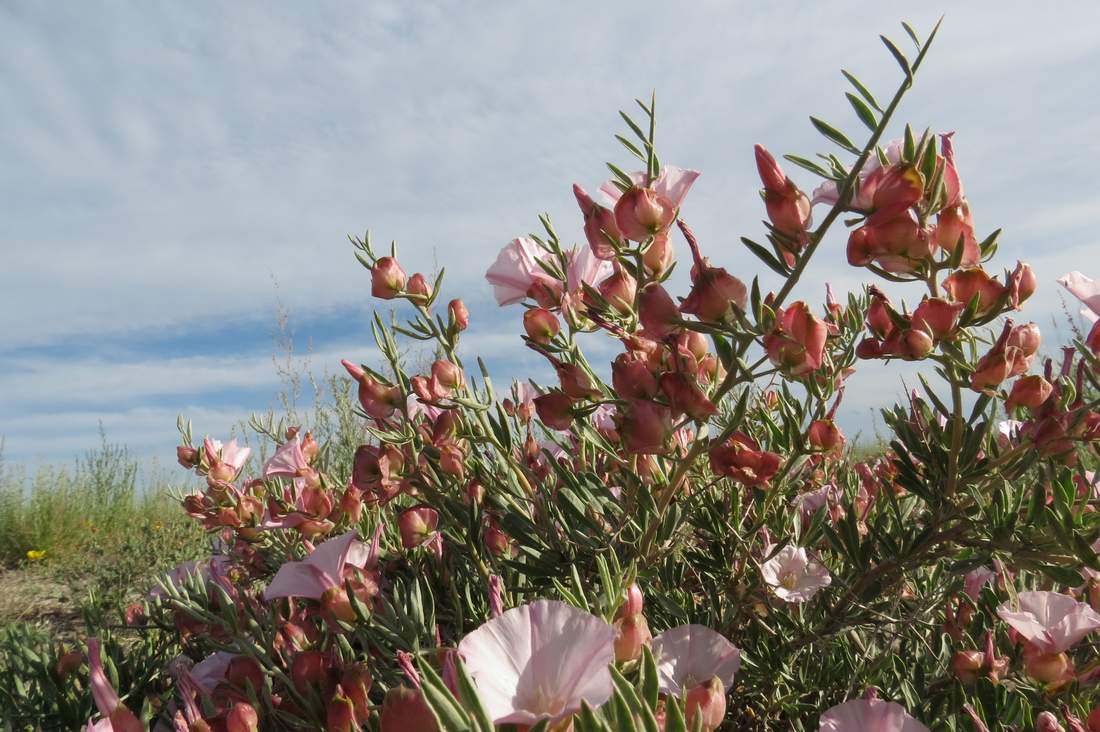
165, 165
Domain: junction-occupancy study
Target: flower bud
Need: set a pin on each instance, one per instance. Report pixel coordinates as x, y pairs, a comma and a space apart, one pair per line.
404, 710
387, 278
658, 255
460, 316
417, 525
825, 436
915, 345
741, 459
707, 703
937, 317
631, 634
1026, 337
1029, 391
541, 325
599, 225
242, 717
631, 377
555, 409
312, 668
418, 286
685, 396
619, 289
244, 672
1047, 722
356, 682
1021, 284
965, 284
788, 208
713, 291
967, 665
452, 461
645, 427
340, 713
1048, 668
955, 223
187, 457
496, 541
67, 663
657, 312
633, 602
894, 189
642, 212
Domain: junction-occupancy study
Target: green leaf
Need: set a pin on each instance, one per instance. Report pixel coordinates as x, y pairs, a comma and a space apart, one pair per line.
834, 135
899, 57
766, 257
863, 90
866, 116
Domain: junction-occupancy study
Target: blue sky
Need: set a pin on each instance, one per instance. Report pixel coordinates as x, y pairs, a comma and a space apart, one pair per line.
174, 173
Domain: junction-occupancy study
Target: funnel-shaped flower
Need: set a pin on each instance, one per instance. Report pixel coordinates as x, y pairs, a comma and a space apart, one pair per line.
793, 575
540, 661
117, 716
515, 270
673, 184
322, 570
864, 715
1084, 289
690, 655
1050, 621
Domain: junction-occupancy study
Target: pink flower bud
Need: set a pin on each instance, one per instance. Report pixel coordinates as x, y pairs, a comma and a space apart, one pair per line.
404, 710
418, 286
713, 291
1029, 391
741, 459
555, 409
633, 602
642, 212
657, 257
67, 664
447, 374
1026, 337
685, 396
576, 381
1021, 284
496, 541
937, 317
631, 635
356, 682
599, 225
387, 278
242, 717
825, 436
416, 525
707, 703
657, 312
894, 189
244, 672
619, 289
967, 665
541, 325
965, 284
1049, 668
188, 457
312, 669
878, 316
452, 461
915, 345
788, 208
797, 342
955, 225
645, 427
340, 713
460, 316
632, 378
1047, 722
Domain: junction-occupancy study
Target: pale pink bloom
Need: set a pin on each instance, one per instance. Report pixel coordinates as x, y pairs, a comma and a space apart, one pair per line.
287, 461
515, 270
540, 661
416, 408
975, 580
1085, 289
210, 671
811, 502
604, 418
585, 268
1050, 621
793, 575
117, 717
673, 183
321, 570
869, 715
689, 655
229, 453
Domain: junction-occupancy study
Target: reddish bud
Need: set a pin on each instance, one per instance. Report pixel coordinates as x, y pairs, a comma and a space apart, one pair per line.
914, 345
1029, 391
632, 378
187, 457
242, 717
541, 325
416, 525
340, 713
741, 459
955, 225
685, 396
312, 669
418, 286
937, 317
68, 663
619, 289
1026, 337
642, 212
404, 710
460, 316
966, 284
713, 291
825, 436
631, 635
1047, 722
387, 278
645, 427
555, 409
797, 342
1021, 284
599, 225
244, 672
356, 682
1049, 668
657, 311
707, 703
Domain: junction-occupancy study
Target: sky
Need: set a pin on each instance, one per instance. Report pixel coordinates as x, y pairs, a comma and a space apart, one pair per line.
176, 175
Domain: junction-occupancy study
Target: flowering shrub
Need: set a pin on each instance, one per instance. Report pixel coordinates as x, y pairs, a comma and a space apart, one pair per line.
681, 540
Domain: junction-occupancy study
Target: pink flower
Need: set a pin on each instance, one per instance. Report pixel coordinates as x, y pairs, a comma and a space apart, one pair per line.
1084, 289
865, 715
793, 575
1050, 621
287, 461
117, 717
827, 192
515, 270
212, 569
229, 453
586, 269
975, 580
210, 671
540, 661
673, 183
322, 570
690, 655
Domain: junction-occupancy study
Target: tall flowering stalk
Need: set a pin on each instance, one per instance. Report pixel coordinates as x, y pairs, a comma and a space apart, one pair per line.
481, 560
